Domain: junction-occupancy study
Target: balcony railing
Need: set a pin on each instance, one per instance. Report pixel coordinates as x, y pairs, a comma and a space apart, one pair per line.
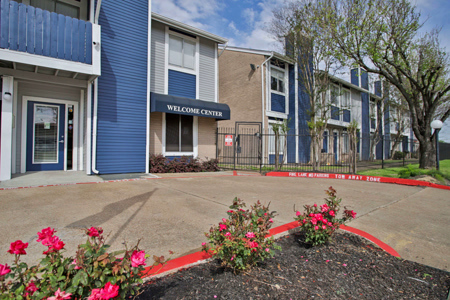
33, 30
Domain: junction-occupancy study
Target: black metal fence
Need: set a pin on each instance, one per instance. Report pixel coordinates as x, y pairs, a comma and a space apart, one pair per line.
248, 148
444, 151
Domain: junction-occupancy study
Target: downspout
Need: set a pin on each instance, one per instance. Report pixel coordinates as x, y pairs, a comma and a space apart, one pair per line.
94, 129
94, 121
262, 102
224, 47
89, 127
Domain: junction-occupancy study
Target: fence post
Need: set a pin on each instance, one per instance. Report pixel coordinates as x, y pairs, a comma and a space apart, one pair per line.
217, 143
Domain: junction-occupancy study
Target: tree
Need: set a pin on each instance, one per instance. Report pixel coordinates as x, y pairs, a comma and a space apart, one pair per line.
352, 131
280, 130
383, 37
399, 116
295, 26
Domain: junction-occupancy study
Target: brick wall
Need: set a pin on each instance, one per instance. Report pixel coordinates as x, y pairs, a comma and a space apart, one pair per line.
156, 133
206, 138
240, 86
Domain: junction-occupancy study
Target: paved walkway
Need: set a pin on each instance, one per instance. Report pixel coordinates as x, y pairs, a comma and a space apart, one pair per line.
173, 212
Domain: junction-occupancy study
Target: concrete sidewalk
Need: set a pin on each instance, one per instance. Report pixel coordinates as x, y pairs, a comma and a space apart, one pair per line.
172, 213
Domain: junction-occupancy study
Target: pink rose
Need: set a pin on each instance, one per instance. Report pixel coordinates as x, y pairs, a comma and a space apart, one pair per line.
4, 269
45, 234
203, 244
137, 259
316, 227
267, 250
54, 244
297, 213
250, 235
315, 205
60, 295
75, 263
31, 287
96, 294
314, 221
324, 226
271, 220
18, 247
330, 224
224, 220
109, 291
222, 227
228, 234
230, 211
324, 208
253, 245
331, 213
94, 231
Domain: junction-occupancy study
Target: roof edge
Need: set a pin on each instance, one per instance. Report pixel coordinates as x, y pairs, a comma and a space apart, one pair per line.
190, 29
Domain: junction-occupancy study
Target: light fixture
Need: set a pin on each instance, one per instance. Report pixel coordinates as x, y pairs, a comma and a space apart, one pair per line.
7, 96
437, 125
253, 67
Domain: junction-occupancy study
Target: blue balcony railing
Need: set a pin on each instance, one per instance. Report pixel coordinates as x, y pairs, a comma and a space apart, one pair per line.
33, 30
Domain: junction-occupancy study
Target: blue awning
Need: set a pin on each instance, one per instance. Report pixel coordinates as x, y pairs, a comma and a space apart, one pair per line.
187, 106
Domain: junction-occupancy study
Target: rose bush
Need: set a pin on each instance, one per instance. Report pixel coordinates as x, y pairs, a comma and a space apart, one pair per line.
93, 273
320, 222
240, 241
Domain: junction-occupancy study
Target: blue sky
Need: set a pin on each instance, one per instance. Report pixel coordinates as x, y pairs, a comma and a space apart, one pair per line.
243, 22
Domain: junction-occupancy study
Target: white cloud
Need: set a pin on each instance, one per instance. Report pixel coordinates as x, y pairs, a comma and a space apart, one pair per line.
187, 11
258, 37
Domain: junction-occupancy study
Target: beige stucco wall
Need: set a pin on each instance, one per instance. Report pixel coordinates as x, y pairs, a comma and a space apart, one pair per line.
240, 86
156, 133
206, 138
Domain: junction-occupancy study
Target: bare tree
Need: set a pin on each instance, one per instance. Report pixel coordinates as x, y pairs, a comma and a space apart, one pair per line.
382, 36
295, 25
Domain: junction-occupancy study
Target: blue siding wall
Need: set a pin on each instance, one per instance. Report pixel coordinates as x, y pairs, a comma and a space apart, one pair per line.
122, 88
182, 84
379, 147
304, 148
354, 76
291, 117
365, 116
278, 103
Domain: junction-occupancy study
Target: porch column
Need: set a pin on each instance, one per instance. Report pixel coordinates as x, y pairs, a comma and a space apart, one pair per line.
6, 129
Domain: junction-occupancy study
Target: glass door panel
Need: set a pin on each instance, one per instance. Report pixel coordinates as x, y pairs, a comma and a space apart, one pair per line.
45, 136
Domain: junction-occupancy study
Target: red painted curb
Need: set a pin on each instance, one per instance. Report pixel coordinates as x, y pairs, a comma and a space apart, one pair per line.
371, 238
378, 179
189, 259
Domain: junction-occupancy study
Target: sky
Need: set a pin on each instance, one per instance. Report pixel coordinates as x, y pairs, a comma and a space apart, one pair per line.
244, 22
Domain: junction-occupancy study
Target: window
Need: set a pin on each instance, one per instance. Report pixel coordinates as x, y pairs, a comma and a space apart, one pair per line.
281, 139
181, 52
345, 98
70, 8
334, 97
179, 133
277, 80
346, 143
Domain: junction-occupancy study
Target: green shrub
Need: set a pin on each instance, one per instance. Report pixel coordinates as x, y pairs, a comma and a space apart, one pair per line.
240, 241
320, 222
160, 164
399, 155
404, 173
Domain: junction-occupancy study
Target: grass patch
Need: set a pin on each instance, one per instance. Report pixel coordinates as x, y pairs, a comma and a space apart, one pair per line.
412, 170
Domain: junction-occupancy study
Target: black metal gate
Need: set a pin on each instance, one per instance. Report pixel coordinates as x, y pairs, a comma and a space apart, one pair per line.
240, 147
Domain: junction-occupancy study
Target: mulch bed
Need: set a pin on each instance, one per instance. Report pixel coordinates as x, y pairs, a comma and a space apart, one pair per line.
348, 267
